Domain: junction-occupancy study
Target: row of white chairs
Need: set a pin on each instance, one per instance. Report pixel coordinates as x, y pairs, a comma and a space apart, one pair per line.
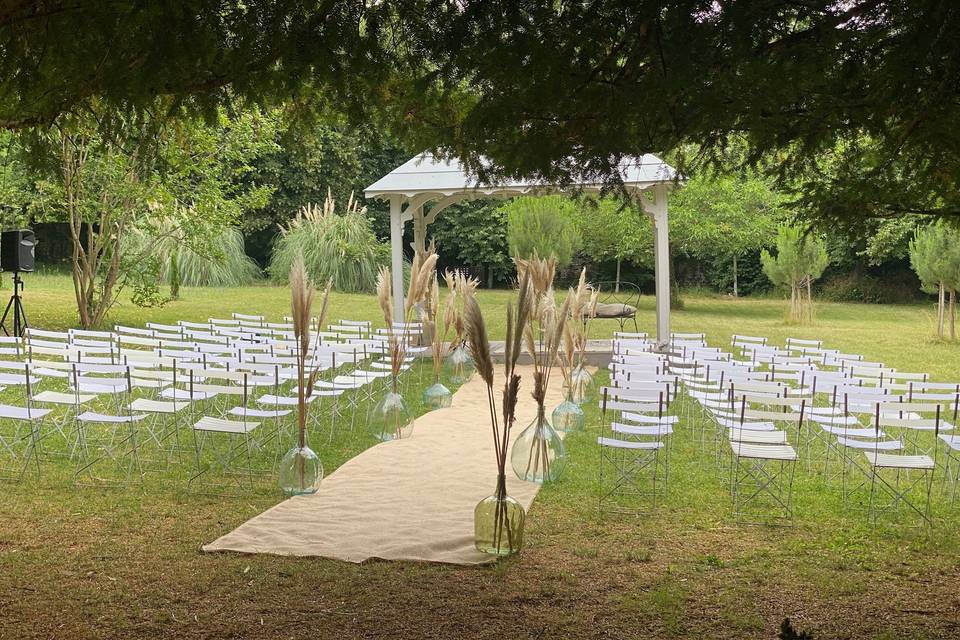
240, 369
751, 397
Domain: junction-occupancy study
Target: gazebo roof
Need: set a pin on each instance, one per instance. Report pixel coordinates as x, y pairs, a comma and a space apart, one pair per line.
426, 175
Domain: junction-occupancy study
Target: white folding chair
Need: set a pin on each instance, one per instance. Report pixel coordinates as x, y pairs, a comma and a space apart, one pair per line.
905, 479
634, 464
763, 462
20, 427
109, 450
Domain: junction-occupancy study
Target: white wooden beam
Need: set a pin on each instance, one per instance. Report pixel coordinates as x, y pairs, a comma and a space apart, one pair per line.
396, 257
416, 202
657, 209
442, 204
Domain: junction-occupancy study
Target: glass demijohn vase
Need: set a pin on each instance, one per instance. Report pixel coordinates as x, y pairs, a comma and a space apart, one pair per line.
300, 472
498, 524
437, 396
580, 387
538, 454
391, 418
568, 416
459, 365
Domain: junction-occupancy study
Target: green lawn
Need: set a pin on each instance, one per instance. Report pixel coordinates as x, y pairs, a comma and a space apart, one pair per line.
95, 562
902, 335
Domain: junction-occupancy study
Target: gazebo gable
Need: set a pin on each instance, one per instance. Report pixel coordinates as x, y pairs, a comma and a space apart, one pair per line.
426, 179
426, 175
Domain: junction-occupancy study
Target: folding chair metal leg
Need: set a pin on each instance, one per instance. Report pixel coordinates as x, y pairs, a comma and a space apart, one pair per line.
635, 481
119, 452
224, 464
19, 442
755, 480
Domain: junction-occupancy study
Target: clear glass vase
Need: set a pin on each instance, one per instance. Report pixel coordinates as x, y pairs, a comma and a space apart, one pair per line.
459, 365
580, 387
568, 416
538, 454
391, 418
300, 472
437, 396
498, 525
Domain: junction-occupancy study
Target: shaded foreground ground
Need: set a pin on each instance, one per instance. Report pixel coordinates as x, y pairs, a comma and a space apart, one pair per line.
87, 565
105, 563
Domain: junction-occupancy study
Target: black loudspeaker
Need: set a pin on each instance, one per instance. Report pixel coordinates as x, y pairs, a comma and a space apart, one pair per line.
16, 250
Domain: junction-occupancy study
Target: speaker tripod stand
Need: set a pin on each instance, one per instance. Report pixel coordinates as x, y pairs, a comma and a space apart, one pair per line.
16, 306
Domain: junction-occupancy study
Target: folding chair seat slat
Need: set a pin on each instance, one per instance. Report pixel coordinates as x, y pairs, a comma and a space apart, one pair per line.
752, 436
764, 452
220, 425
56, 397
605, 441
893, 461
660, 430
157, 406
10, 412
876, 445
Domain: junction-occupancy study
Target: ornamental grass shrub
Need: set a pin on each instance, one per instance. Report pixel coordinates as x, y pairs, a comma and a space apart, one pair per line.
341, 247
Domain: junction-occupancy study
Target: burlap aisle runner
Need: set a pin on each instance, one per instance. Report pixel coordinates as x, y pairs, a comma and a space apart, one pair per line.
411, 499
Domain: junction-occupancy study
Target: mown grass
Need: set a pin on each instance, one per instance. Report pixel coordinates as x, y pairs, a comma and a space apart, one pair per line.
89, 562
902, 335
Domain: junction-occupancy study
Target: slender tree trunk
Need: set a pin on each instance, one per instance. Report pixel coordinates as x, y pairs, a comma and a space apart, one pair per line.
736, 292
940, 310
174, 275
616, 286
793, 302
71, 164
489, 277
953, 314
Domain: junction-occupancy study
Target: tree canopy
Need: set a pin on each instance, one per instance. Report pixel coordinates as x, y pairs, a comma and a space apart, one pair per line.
204, 53
544, 226
613, 230
154, 178
935, 257
853, 103
800, 259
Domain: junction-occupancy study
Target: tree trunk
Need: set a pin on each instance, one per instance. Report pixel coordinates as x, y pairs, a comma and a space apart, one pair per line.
953, 314
616, 285
736, 292
940, 310
174, 276
810, 299
489, 277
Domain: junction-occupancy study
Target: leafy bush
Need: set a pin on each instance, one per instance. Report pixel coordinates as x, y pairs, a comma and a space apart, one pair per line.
859, 287
800, 259
232, 267
338, 247
545, 225
219, 261
474, 234
750, 276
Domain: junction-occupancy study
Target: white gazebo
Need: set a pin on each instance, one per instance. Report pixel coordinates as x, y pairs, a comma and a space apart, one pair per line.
419, 189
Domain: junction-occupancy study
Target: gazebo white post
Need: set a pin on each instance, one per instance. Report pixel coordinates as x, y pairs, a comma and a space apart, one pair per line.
396, 256
658, 210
